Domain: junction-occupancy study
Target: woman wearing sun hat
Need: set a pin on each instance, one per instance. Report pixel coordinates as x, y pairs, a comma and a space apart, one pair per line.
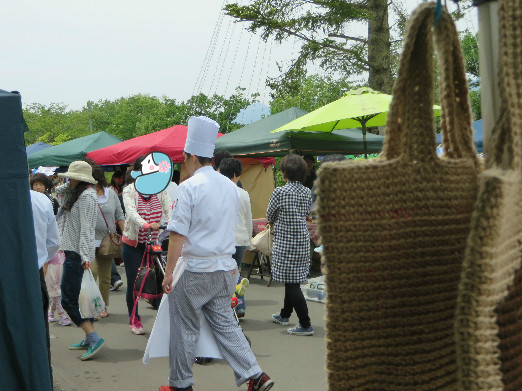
77, 223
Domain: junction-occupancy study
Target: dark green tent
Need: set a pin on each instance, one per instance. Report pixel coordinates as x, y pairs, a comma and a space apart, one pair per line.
24, 364
65, 153
255, 140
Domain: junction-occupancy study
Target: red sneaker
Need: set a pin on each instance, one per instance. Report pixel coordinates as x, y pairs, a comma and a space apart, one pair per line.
262, 383
169, 388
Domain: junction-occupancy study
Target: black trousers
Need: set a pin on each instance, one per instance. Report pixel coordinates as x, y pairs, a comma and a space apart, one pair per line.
45, 302
294, 300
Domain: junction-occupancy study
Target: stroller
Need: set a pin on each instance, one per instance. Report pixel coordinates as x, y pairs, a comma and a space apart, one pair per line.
161, 251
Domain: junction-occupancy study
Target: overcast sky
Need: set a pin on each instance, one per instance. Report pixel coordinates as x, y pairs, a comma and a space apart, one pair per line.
72, 51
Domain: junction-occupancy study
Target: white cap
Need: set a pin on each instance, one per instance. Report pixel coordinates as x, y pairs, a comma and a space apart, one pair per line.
201, 136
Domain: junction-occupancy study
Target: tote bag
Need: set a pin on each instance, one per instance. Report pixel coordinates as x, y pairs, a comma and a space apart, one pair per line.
264, 241
489, 311
394, 229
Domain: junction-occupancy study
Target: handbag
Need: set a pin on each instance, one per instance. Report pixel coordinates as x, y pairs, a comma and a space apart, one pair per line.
148, 283
394, 229
264, 240
111, 243
489, 315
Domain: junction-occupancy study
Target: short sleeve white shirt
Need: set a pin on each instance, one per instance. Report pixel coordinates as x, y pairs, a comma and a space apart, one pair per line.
206, 214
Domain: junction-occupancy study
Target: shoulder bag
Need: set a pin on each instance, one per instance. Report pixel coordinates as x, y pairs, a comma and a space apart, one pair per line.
489, 306
395, 228
111, 243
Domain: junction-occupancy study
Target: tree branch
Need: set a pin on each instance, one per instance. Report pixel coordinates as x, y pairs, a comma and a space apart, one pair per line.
362, 40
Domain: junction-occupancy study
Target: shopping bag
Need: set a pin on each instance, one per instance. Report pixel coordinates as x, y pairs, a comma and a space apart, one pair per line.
90, 301
489, 310
394, 229
264, 240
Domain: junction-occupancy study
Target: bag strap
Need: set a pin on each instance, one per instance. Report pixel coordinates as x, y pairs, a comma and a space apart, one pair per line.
104, 219
410, 122
118, 242
145, 260
504, 149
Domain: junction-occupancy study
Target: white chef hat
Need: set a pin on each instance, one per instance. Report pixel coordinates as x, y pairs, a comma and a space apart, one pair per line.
201, 136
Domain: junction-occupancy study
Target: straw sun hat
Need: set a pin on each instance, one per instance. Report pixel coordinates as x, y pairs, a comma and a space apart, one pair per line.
81, 171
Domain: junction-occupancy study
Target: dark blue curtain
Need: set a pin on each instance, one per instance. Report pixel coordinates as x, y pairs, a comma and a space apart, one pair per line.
24, 363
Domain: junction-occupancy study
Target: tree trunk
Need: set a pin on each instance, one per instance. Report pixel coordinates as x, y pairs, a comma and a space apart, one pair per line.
379, 57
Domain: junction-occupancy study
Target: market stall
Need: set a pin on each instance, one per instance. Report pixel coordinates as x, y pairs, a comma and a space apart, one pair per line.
257, 177
64, 154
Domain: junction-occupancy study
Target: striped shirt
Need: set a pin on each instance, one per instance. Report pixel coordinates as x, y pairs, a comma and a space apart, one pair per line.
150, 210
77, 226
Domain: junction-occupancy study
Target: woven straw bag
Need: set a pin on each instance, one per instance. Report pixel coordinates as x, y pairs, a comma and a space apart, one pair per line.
489, 311
394, 230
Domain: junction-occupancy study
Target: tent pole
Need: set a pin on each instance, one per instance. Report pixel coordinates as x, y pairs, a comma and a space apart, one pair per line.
363, 126
488, 60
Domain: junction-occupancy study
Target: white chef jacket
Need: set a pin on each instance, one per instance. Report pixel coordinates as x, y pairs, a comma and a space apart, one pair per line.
45, 228
206, 213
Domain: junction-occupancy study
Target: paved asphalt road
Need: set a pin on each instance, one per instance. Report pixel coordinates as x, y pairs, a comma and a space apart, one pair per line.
295, 363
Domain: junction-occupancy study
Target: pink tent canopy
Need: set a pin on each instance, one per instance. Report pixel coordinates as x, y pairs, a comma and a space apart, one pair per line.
170, 141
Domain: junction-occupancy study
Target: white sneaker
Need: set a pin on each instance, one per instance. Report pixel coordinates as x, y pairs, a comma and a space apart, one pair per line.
116, 285
64, 320
136, 328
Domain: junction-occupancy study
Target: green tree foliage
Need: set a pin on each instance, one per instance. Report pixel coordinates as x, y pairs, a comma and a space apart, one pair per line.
129, 117
323, 26
53, 124
313, 92
470, 49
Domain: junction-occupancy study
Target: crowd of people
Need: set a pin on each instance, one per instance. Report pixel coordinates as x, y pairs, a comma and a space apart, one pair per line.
211, 246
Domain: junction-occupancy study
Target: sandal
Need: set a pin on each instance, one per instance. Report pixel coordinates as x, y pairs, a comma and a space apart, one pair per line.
104, 314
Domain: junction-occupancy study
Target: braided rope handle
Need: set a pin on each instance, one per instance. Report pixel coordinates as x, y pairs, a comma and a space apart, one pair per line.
410, 120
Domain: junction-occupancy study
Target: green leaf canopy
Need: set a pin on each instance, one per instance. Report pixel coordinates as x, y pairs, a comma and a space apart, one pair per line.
255, 140
66, 153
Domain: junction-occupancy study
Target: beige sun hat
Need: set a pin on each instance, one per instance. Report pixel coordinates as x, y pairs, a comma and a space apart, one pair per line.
81, 171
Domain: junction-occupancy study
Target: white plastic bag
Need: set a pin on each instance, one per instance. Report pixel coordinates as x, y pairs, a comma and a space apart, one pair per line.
90, 300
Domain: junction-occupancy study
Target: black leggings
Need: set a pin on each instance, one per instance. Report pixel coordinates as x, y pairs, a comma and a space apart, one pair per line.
294, 299
45, 303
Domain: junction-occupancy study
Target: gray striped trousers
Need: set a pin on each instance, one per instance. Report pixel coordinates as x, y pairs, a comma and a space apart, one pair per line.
210, 294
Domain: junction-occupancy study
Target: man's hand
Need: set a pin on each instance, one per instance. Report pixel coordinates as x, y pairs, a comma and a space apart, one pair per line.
167, 283
86, 265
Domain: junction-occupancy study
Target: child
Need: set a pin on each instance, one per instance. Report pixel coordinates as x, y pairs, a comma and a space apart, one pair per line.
53, 269
53, 278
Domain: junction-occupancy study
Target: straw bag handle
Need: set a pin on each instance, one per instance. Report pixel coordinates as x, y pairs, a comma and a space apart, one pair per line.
410, 121
506, 149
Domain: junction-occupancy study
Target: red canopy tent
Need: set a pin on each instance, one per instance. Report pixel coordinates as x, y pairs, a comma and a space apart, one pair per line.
170, 141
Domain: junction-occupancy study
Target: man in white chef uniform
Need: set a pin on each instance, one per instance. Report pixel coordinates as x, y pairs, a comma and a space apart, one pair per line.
202, 234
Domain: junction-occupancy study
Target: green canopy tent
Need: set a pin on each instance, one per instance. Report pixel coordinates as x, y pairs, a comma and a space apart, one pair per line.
255, 140
24, 364
65, 153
